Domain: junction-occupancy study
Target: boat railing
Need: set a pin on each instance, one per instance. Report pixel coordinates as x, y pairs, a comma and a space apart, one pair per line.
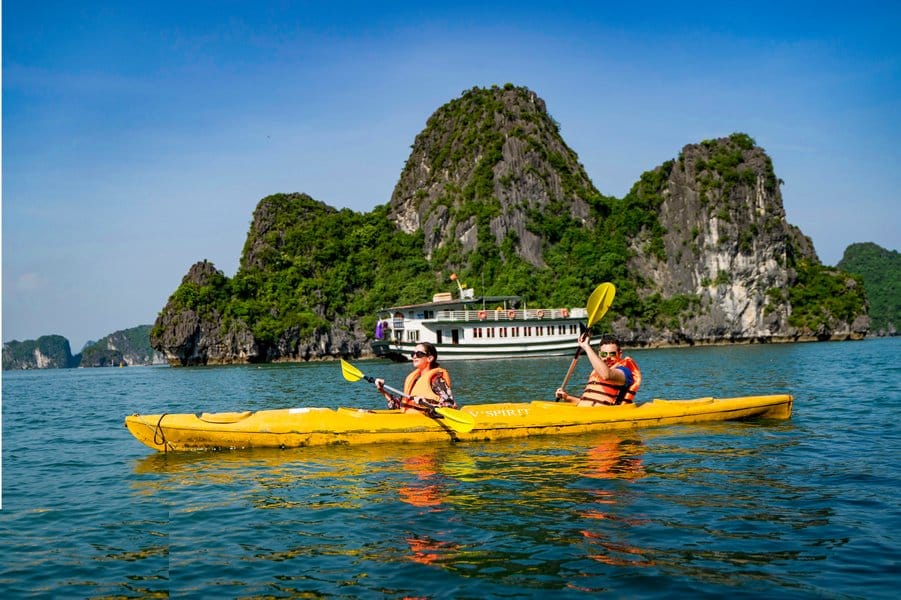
493, 315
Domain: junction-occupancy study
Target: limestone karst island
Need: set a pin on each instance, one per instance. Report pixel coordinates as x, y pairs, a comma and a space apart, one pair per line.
493, 202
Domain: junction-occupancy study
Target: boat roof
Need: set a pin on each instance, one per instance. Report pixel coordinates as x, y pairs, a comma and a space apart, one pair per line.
486, 300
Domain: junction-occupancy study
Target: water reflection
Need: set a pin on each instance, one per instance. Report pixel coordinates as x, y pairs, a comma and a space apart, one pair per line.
806, 508
614, 457
605, 524
683, 500
423, 491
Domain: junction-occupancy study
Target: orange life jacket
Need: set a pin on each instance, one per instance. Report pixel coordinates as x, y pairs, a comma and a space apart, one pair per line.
419, 383
599, 391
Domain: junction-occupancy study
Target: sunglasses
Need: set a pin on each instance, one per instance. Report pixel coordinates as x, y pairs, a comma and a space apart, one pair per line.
610, 354
418, 354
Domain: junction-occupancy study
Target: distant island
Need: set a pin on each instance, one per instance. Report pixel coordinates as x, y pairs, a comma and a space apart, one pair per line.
125, 348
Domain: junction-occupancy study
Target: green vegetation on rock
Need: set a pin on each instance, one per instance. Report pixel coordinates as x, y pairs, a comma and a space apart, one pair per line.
824, 296
312, 265
125, 347
881, 273
492, 193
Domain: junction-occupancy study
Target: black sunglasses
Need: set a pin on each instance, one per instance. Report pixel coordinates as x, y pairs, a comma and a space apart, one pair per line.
418, 354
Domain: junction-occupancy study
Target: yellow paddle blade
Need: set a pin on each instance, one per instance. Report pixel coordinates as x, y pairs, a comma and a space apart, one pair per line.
599, 302
350, 372
457, 419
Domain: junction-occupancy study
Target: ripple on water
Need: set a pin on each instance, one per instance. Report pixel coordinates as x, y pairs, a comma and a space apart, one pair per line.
801, 508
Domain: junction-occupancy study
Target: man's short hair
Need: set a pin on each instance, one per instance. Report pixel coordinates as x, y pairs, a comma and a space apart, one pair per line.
609, 338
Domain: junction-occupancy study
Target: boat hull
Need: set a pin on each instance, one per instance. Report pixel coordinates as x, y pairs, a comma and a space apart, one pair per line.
301, 427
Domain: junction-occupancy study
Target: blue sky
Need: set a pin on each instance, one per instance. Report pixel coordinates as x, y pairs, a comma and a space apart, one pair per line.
139, 137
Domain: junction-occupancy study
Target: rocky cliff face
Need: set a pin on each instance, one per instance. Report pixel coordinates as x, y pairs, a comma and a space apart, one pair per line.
193, 334
728, 248
491, 172
495, 154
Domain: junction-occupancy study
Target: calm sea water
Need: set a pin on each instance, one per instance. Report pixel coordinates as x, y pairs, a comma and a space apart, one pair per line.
804, 508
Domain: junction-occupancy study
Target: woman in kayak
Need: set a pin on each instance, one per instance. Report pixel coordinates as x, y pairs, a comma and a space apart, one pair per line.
614, 379
428, 385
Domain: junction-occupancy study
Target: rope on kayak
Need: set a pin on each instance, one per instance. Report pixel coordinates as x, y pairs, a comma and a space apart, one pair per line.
159, 429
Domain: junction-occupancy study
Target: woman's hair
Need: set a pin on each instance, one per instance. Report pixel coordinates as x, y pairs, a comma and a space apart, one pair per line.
431, 351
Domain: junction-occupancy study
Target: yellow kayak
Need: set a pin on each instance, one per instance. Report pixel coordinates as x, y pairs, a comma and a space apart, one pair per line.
309, 426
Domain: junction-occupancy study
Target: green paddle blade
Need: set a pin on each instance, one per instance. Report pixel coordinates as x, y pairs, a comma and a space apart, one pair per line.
599, 302
350, 372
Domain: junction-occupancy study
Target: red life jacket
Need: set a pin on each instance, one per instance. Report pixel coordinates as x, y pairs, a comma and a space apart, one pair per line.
419, 383
605, 392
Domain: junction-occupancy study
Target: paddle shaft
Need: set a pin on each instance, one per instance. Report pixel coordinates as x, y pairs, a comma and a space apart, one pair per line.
371, 379
572, 367
397, 392
457, 420
598, 304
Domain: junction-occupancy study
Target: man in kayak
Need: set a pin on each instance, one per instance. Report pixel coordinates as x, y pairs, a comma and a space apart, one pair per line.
614, 379
428, 385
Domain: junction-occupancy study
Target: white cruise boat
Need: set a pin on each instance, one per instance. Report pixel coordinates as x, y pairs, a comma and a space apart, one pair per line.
472, 327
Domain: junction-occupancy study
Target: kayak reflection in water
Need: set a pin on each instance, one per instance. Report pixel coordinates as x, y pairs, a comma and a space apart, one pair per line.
424, 492
614, 458
426, 550
614, 378
428, 384
606, 533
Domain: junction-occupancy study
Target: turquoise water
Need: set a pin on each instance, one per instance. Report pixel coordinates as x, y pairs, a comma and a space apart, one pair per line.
804, 508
